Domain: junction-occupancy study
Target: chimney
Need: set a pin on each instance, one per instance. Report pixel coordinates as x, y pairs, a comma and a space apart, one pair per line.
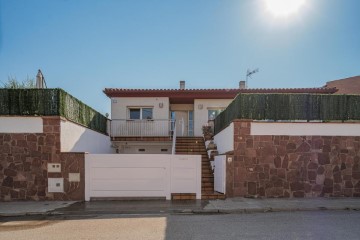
242, 85
182, 84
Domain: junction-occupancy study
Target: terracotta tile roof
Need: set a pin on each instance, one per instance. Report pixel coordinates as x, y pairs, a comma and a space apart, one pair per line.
349, 85
126, 92
187, 96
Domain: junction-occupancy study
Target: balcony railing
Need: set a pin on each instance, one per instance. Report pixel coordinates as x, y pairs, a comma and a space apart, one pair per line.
141, 128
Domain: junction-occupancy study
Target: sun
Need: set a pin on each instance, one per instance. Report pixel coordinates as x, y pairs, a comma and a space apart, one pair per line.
283, 8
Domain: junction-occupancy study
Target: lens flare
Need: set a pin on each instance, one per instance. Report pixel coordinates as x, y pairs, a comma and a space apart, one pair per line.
283, 8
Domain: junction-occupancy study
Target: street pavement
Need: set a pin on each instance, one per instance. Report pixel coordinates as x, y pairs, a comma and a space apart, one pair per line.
272, 225
230, 205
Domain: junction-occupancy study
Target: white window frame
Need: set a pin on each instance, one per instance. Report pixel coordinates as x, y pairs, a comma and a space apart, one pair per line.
216, 109
141, 113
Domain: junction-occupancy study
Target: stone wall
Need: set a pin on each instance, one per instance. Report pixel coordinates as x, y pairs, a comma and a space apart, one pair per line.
23, 165
292, 166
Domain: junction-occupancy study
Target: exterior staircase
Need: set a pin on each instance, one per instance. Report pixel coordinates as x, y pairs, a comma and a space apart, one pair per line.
196, 146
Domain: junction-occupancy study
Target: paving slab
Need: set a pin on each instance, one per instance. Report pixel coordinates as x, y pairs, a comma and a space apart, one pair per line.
134, 207
10, 209
232, 205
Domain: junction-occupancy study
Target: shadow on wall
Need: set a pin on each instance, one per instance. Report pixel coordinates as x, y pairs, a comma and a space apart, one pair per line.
76, 138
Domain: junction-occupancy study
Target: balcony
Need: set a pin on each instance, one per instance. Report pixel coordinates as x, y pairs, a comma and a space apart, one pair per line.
141, 128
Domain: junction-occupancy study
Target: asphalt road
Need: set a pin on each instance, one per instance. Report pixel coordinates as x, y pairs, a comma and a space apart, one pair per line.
283, 225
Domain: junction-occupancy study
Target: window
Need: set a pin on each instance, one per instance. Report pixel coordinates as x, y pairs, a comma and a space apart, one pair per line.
147, 113
191, 123
140, 113
134, 113
213, 113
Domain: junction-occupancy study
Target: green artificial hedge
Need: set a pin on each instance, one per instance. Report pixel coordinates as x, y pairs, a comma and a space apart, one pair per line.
275, 107
50, 102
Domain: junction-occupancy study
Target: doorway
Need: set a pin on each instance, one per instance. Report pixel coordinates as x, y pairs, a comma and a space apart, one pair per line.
183, 121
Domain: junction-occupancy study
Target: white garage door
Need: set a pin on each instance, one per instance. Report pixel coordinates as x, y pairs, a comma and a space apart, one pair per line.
127, 175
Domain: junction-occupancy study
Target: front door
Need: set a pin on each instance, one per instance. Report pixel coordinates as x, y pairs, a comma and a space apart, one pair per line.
182, 123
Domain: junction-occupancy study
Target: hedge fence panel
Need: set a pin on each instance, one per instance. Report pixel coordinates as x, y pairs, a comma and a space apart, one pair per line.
50, 102
75, 110
323, 107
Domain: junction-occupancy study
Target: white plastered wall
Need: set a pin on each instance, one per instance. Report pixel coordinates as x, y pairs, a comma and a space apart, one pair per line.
224, 140
201, 115
133, 147
305, 129
21, 125
119, 106
76, 138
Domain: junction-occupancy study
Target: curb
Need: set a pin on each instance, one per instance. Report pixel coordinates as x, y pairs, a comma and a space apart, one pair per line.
185, 211
49, 213
269, 209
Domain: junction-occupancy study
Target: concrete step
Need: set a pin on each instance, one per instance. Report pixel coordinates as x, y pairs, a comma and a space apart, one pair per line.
212, 195
185, 146
207, 180
206, 175
189, 138
183, 196
207, 184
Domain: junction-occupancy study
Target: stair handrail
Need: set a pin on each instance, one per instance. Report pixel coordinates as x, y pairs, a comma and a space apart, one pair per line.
174, 139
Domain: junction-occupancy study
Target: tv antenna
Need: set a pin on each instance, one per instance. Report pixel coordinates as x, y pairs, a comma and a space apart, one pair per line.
248, 75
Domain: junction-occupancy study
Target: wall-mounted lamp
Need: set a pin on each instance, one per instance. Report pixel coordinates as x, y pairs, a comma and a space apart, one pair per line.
200, 106
161, 105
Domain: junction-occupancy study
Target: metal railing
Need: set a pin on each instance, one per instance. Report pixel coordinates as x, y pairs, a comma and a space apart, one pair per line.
141, 128
173, 149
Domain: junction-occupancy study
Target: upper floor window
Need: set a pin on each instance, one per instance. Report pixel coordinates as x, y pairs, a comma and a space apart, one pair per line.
213, 113
141, 113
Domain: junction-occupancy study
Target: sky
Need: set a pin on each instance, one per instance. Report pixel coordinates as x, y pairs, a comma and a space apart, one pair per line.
84, 46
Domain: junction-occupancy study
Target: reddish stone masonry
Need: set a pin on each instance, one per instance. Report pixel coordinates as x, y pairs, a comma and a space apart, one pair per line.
23, 165
292, 166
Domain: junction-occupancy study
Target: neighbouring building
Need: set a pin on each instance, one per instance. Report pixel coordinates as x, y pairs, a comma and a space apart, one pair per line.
349, 85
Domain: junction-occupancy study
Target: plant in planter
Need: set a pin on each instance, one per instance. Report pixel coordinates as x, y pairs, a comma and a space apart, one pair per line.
207, 132
211, 145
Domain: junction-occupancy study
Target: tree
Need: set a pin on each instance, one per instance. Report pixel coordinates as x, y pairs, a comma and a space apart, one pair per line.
13, 83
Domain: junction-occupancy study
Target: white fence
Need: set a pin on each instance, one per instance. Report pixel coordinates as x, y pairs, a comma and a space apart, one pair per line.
224, 140
220, 174
141, 128
141, 175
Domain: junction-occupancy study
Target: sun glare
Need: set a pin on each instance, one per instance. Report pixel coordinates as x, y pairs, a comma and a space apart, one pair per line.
283, 8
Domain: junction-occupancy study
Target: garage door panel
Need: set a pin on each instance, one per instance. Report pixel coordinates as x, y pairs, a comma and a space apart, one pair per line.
141, 175
128, 185
134, 160
112, 194
127, 173
184, 173
184, 185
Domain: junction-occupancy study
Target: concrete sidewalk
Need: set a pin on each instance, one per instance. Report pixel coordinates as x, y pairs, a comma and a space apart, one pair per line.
248, 205
231, 205
9, 209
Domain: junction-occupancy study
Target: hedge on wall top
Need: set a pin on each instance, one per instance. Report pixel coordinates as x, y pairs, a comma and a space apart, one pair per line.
50, 102
290, 107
